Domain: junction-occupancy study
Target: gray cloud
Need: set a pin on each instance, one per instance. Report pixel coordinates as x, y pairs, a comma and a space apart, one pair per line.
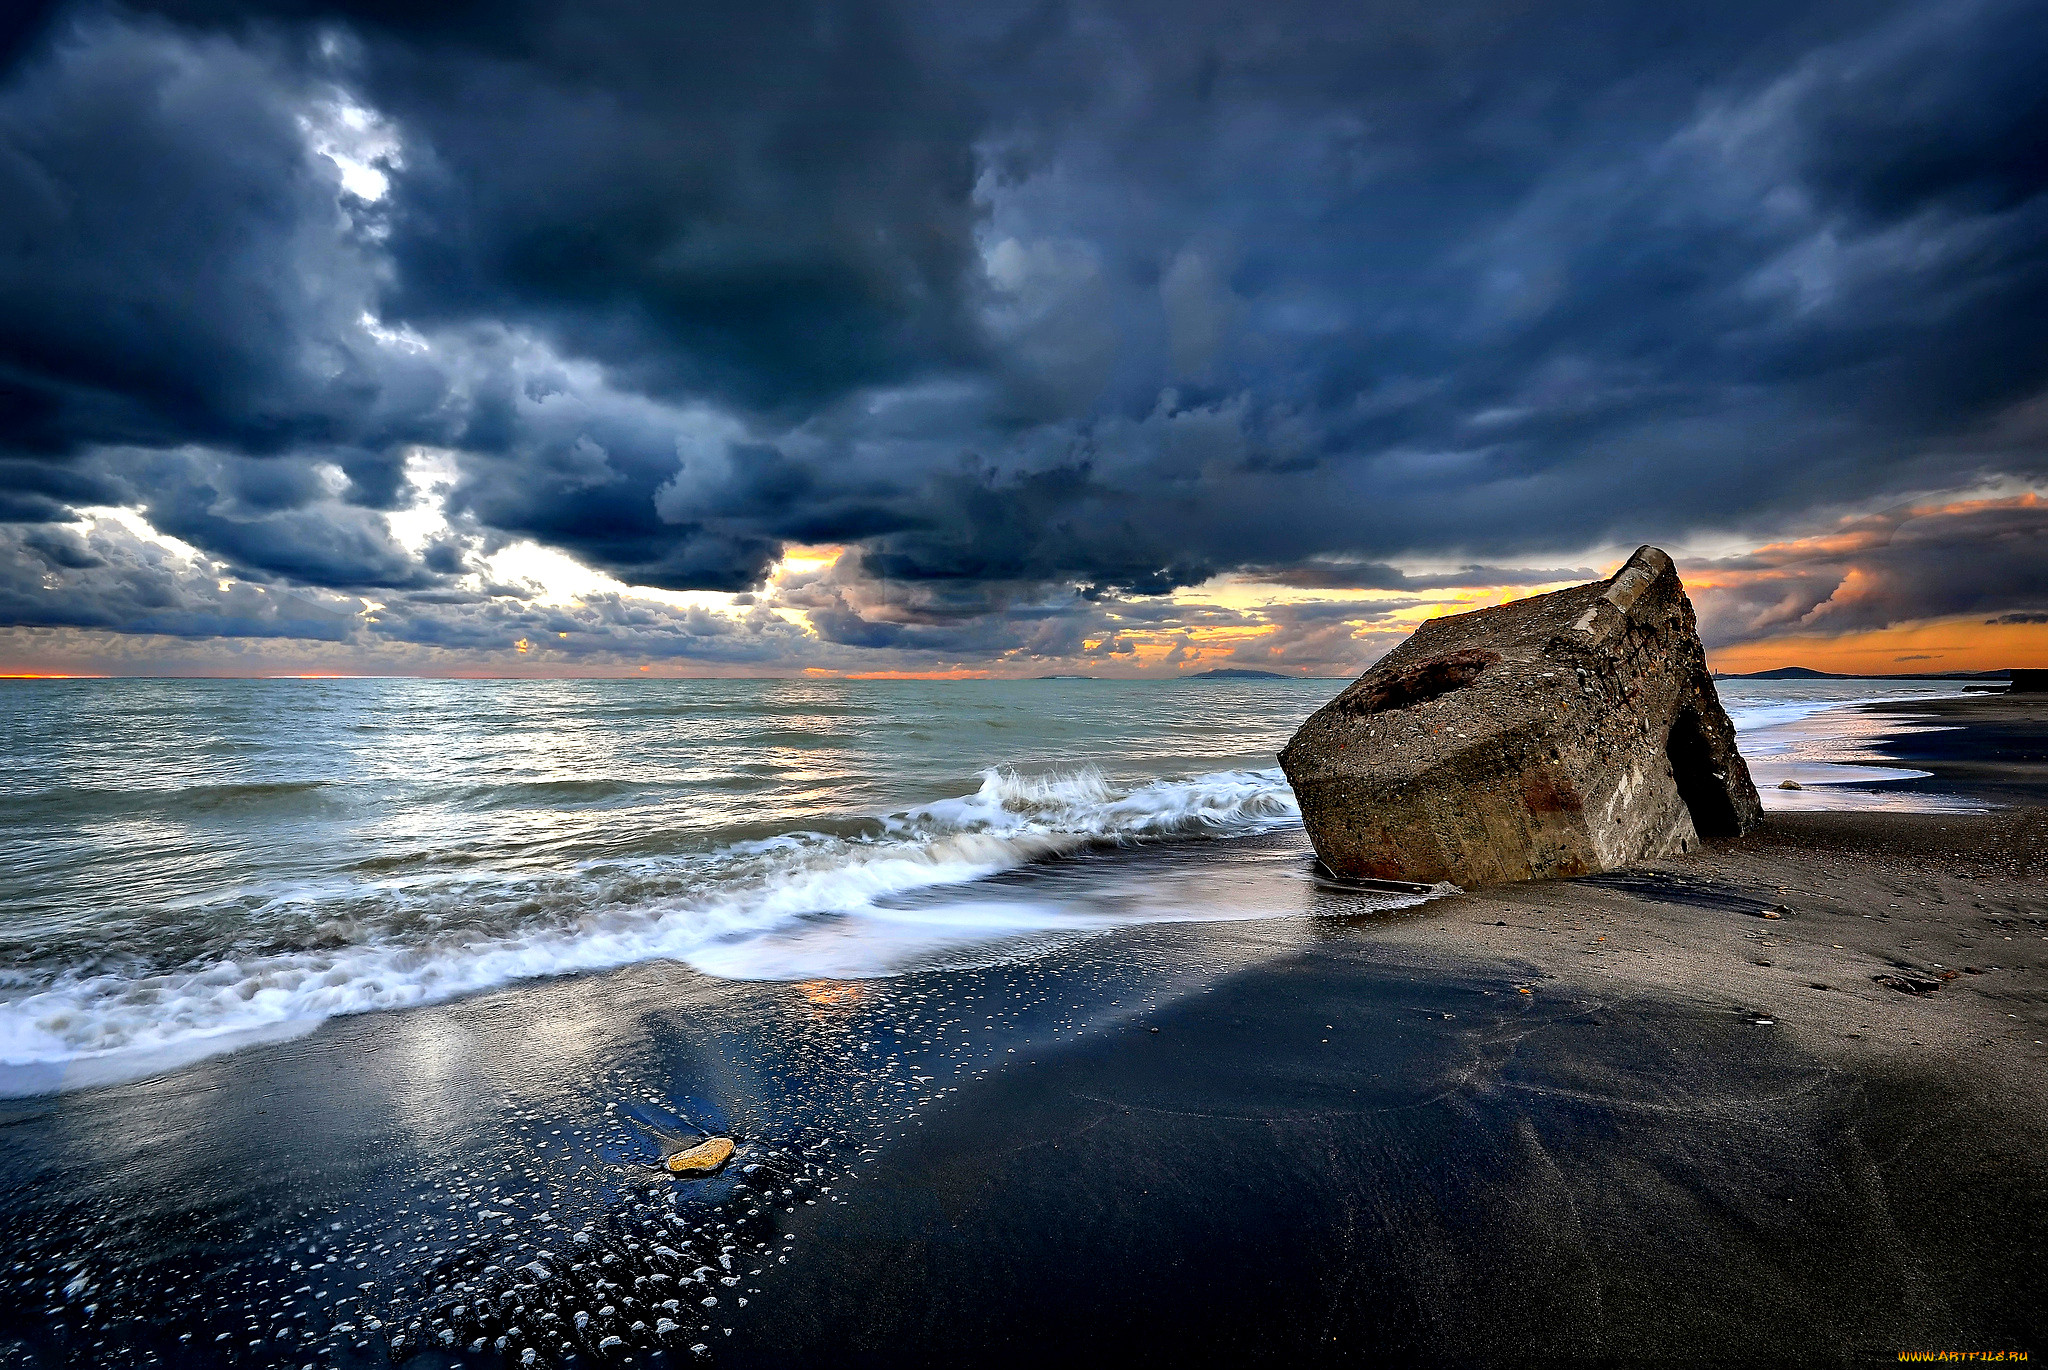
1975, 557
1354, 575
1041, 309
54, 576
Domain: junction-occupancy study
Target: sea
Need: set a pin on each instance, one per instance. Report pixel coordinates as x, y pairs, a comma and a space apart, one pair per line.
191, 866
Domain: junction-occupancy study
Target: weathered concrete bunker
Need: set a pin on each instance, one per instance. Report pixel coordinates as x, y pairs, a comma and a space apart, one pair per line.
1569, 733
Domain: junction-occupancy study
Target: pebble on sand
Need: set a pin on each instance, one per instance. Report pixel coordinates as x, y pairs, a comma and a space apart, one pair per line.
703, 1158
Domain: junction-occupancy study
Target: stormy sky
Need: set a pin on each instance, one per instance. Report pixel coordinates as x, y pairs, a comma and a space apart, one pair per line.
1016, 337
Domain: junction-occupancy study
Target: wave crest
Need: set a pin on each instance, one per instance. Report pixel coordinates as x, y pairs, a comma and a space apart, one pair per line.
78, 1027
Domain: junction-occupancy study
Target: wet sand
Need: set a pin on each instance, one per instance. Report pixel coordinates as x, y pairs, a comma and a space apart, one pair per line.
1992, 747
1607, 1121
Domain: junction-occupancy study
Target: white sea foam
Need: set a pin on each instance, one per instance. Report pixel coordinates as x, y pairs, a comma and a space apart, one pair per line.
88, 1028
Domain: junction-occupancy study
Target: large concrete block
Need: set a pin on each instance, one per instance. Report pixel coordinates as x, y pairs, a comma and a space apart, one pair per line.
1561, 735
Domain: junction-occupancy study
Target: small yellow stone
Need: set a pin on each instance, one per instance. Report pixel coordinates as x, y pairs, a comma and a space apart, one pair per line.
702, 1158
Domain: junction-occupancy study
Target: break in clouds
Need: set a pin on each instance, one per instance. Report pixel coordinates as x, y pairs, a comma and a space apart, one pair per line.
1078, 327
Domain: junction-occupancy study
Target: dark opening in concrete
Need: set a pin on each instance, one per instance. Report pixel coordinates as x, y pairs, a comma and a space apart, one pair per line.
1704, 790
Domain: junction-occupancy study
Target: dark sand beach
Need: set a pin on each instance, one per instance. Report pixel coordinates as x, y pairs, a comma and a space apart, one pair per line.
1621, 1120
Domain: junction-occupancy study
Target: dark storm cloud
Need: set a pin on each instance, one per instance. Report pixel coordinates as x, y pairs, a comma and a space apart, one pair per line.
45, 492
953, 619
773, 203
281, 518
1338, 575
1021, 301
174, 267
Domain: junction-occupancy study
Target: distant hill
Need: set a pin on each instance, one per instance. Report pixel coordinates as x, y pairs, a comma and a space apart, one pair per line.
1232, 673
1782, 673
1063, 677
1808, 673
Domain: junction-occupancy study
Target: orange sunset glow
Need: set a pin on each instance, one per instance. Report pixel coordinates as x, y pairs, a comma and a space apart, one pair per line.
1960, 644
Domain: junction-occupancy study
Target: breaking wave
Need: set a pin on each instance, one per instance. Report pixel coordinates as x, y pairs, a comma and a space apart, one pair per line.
371, 946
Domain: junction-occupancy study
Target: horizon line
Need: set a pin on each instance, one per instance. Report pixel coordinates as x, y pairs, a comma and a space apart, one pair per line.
27, 676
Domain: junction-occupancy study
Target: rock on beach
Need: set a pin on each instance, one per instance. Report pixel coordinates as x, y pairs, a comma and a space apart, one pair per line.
1561, 735
703, 1158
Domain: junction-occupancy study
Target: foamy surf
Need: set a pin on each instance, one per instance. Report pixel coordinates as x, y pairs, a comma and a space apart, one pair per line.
93, 1027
